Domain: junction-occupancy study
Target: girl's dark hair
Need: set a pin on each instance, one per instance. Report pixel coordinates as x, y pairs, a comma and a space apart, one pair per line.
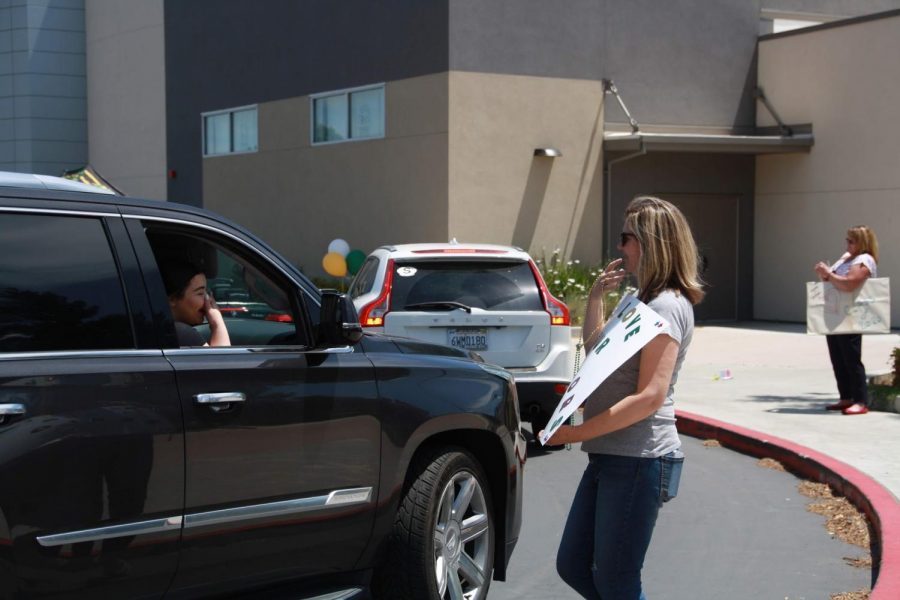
177, 275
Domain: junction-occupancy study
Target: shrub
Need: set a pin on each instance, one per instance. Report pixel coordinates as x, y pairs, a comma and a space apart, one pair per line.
896, 356
571, 281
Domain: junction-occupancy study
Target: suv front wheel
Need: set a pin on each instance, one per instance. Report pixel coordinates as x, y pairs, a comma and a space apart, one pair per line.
442, 545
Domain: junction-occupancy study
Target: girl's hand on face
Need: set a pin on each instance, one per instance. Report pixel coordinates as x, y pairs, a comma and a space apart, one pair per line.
610, 277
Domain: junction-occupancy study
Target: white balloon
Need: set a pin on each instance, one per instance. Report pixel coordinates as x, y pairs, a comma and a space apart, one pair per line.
340, 246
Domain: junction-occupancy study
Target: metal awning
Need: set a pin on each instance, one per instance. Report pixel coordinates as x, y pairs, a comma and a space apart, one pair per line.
709, 143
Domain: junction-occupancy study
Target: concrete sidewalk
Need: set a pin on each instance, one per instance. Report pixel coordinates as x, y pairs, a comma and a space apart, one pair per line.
781, 379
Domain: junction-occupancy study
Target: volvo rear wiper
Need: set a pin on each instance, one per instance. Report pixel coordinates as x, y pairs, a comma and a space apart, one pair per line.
442, 305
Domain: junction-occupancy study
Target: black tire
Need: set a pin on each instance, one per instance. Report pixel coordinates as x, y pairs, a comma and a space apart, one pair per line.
435, 552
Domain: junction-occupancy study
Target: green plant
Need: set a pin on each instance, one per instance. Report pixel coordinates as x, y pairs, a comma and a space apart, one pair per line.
332, 283
895, 354
571, 281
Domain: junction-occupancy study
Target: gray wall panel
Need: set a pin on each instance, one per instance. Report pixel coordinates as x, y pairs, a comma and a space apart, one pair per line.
63, 130
64, 86
49, 107
261, 51
46, 17
62, 63
41, 40
683, 63
713, 175
43, 87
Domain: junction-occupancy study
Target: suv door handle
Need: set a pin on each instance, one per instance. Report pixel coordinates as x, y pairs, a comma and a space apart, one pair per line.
8, 410
219, 401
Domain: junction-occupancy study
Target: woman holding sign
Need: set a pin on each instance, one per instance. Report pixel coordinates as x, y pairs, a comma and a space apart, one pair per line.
634, 456
858, 263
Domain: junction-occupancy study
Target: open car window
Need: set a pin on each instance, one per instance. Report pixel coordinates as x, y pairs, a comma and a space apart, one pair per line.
259, 304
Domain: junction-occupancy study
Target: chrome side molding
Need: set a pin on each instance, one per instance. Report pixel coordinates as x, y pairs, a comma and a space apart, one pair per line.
113, 531
337, 498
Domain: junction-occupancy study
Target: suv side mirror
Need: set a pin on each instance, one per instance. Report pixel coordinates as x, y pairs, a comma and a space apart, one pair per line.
338, 322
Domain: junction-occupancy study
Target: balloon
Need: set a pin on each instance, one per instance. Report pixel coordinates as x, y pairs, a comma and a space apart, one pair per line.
334, 264
355, 260
339, 246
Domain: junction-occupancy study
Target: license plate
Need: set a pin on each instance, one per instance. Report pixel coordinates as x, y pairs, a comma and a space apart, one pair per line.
468, 338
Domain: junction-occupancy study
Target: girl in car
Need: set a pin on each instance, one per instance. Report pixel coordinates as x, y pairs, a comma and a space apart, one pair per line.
628, 430
191, 303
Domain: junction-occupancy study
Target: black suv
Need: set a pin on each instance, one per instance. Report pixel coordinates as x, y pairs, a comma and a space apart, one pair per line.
305, 460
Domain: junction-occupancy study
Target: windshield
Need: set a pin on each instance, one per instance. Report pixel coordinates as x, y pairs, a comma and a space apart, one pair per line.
490, 285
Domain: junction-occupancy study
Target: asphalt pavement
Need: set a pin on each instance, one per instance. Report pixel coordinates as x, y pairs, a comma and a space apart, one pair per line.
759, 388
736, 530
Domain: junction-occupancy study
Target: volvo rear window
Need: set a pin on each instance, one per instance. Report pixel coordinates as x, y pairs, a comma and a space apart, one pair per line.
489, 285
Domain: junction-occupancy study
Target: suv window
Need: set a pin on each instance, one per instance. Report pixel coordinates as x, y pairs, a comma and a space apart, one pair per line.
255, 302
59, 286
494, 285
365, 279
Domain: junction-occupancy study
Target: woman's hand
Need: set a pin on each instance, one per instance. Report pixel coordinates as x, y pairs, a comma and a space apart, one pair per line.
823, 271
564, 435
609, 278
218, 333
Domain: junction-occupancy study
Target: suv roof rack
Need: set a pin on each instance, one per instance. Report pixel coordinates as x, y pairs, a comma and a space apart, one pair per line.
48, 182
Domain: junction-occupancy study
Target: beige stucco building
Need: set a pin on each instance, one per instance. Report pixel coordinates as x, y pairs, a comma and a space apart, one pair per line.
457, 161
497, 125
844, 79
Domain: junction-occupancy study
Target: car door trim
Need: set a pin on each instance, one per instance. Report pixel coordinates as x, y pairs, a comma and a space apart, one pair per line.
207, 350
61, 211
337, 498
79, 354
112, 531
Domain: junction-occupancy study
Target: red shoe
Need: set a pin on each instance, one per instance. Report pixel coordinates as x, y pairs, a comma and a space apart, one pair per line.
856, 409
840, 405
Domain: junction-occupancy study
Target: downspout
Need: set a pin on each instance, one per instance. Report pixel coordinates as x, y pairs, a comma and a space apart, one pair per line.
609, 87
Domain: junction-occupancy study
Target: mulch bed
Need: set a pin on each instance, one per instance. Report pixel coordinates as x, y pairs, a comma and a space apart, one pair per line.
842, 520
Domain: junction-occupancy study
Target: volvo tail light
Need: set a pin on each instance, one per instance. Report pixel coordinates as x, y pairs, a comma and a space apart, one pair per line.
559, 312
373, 313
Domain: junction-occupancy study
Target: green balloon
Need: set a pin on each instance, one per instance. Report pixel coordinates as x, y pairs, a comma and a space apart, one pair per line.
355, 260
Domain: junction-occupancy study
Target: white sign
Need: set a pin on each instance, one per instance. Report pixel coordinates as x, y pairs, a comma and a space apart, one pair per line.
630, 327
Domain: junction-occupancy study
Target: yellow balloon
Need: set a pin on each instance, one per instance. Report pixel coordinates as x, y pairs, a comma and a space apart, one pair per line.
335, 264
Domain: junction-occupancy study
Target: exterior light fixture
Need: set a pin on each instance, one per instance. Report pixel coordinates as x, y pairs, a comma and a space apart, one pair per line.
551, 152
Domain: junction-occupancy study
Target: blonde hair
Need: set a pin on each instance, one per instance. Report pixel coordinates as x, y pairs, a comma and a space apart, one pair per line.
669, 255
866, 241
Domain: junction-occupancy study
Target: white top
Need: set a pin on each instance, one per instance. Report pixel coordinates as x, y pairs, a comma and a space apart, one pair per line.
843, 265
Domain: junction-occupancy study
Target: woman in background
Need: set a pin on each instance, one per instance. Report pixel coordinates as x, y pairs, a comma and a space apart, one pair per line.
858, 263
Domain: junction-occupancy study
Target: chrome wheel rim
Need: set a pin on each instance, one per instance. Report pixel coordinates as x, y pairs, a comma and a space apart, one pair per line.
462, 536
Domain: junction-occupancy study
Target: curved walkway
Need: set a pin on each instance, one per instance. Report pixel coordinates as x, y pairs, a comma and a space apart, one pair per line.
760, 388
870, 497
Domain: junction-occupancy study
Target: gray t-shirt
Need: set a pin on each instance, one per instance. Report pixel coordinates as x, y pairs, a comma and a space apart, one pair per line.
656, 435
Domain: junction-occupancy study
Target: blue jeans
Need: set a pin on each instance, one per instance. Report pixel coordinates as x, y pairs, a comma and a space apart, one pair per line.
611, 521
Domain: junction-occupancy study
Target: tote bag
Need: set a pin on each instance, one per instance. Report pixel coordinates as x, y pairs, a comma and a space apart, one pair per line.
866, 310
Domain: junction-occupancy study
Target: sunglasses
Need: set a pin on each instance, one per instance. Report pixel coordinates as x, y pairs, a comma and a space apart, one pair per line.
623, 237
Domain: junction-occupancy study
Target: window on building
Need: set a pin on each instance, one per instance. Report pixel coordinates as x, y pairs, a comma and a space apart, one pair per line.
356, 114
230, 131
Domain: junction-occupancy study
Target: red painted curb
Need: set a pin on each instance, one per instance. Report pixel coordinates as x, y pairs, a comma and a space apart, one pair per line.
869, 496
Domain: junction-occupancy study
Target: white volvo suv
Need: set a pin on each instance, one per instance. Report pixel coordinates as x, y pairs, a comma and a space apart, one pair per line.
486, 298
